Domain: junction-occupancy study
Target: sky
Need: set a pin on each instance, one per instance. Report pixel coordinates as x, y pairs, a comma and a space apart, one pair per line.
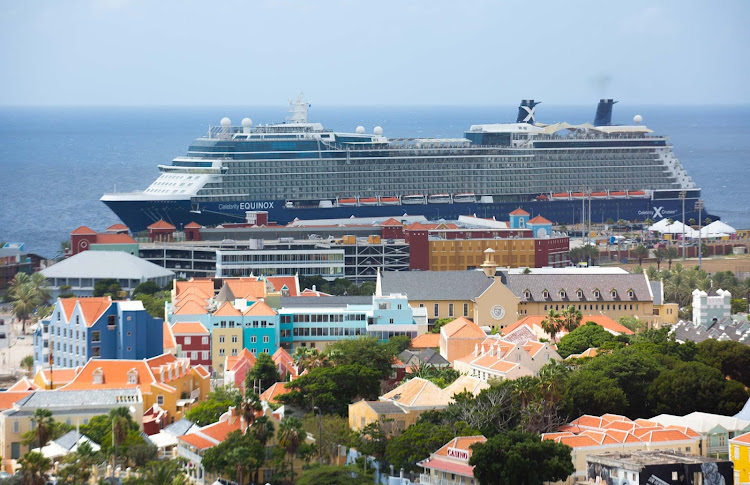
340, 53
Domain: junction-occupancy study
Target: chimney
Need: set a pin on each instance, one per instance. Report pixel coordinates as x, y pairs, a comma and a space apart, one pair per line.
604, 112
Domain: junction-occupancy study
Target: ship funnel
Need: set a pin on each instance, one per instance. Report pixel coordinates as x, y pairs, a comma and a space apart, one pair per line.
526, 111
604, 112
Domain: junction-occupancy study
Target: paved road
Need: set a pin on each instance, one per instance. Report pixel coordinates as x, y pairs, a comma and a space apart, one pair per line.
19, 346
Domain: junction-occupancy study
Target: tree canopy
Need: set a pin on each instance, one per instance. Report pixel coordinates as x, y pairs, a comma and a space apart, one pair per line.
584, 337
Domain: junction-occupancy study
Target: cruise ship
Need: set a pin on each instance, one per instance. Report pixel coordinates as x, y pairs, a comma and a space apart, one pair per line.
297, 169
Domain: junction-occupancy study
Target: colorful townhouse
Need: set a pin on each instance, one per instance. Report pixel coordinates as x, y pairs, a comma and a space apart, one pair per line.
739, 453
80, 329
166, 383
194, 341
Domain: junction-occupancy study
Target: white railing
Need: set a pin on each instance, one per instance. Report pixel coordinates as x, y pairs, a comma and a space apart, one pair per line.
196, 394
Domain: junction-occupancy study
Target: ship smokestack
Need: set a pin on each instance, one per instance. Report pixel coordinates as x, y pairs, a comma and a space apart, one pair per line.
604, 112
526, 111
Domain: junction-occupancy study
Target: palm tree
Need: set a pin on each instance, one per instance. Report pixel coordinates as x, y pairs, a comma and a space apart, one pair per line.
120, 425
34, 468
263, 430
640, 252
246, 406
552, 324
671, 254
43, 420
164, 473
291, 436
78, 465
659, 254
24, 300
18, 280
570, 318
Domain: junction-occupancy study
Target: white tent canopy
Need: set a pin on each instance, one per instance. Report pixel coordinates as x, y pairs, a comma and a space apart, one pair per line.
659, 226
678, 227
716, 228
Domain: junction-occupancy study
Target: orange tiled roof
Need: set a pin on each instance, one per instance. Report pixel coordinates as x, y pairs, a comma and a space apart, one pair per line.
615, 417
204, 286
426, 341
234, 360
743, 438
189, 328
309, 292
59, 375
661, 435
8, 398
221, 429
391, 222
276, 390
115, 375
519, 212
202, 371
247, 288
533, 347
462, 328
117, 227
161, 360
291, 283
168, 341
539, 220
688, 431
620, 425
83, 230
161, 224
460, 443
193, 225
588, 421
227, 310
191, 308
114, 239
281, 355
260, 309
197, 441
23, 385
576, 441
93, 307
602, 320
190, 295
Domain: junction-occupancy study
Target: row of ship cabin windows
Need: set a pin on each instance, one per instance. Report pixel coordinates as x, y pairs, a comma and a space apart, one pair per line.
579, 294
436, 310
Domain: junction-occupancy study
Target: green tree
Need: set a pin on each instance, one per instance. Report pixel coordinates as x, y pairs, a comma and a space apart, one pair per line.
570, 318
263, 373
419, 440
671, 253
731, 358
397, 344
333, 475
162, 472
28, 363
335, 431
76, 466
440, 376
660, 255
154, 304
24, 299
373, 440
437, 325
594, 393
366, 351
520, 459
147, 288
66, 291
42, 419
332, 389
217, 403
35, 468
238, 456
632, 323
640, 252
690, 386
291, 436
552, 324
584, 337
739, 305
107, 287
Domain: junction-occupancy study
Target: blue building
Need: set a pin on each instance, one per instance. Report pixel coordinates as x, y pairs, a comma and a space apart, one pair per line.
318, 322
80, 329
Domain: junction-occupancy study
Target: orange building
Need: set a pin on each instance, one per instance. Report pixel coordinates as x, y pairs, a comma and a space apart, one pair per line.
459, 338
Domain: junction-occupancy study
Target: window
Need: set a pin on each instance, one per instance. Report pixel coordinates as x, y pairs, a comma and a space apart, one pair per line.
450, 310
204, 340
545, 294
614, 293
631, 293
421, 305
596, 293
130, 333
204, 356
132, 377
95, 351
78, 320
16, 426
562, 294
234, 351
221, 351
96, 336
391, 321
160, 400
266, 350
265, 339
111, 320
188, 340
254, 339
466, 309
221, 339
234, 339
527, 294
436, 309
98, 376
579, 294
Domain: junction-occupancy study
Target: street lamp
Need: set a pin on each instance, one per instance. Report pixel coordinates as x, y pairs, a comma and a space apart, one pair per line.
683, 194
320, 433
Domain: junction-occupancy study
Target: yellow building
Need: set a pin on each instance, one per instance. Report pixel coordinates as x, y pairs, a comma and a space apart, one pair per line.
226, 336
739, 453
165, 380
462, 254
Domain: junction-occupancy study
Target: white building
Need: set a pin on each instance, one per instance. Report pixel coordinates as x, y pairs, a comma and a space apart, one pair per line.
709, 308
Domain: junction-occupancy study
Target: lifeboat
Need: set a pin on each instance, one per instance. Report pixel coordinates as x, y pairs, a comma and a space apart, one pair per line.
578, 195
466, 197
413, 199
621, 194
637, 194
439, 199
347, 202
542, 197
598, 195
561, 196
389, 201
368, 201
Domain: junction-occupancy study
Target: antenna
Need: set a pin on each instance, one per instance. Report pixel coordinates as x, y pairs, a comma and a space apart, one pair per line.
298, 109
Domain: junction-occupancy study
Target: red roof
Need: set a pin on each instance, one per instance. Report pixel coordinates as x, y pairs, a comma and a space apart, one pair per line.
426, 341
114, 239
161, 224
191, 225
519, 212
189, 328
449, 466
272, 393
539, 220
391, 222
117, 227
83, 230
743, 438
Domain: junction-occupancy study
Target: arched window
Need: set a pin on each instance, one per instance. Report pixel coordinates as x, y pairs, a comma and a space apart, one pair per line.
631, 293
98, 376
562, 294
614, 293
596, 293
132, 376
579, 293
545, 294
527, 294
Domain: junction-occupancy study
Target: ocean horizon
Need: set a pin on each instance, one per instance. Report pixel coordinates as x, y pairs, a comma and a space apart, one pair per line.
57, 161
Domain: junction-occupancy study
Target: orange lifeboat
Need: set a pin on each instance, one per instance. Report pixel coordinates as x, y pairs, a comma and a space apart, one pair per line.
638, 194
389, 200
347, 202
578, 195
598, 195
618, 194
368, 201
561, 196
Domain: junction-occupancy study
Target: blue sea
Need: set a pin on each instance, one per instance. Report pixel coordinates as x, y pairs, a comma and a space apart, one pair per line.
55, 163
